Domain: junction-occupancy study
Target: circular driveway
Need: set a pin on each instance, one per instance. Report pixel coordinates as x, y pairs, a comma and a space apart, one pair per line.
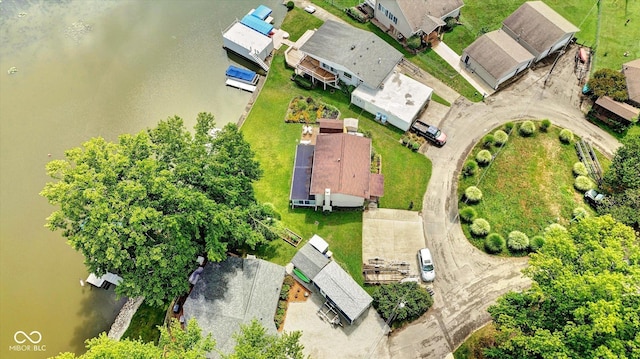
469, 280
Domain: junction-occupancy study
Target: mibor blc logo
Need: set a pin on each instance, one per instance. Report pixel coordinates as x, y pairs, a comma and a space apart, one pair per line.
27, 342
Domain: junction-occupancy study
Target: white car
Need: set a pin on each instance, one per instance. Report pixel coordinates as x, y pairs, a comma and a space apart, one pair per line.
427, 270
310, 9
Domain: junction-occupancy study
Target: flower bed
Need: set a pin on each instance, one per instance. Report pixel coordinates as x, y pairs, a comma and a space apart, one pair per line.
307, 110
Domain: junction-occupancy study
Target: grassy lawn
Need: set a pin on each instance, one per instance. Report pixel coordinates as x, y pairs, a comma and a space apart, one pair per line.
428, 60
472, 347
614, 39
299, 22
144, 324
528, 186
274, 142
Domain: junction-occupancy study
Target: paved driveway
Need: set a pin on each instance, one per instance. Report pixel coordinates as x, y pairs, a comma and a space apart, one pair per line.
469, 281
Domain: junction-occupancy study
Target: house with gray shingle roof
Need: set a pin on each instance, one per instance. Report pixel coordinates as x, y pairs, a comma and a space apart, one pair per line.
406, 18
333, 283
539, 29
631, 71
234, 292
495, 57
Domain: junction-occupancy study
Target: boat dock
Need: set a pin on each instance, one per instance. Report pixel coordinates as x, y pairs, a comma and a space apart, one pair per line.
240, 85
243, 75
104, 281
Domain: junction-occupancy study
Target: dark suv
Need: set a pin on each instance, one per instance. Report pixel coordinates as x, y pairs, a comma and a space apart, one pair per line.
429, 132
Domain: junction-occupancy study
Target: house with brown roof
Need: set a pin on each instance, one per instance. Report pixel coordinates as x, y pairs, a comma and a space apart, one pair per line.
631, 71
406, 18
539, 29
496, 57
335, 172
608, 109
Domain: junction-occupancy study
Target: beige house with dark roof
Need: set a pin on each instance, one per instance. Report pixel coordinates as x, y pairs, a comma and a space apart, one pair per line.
539, 29
336, 172
631, 71
496, 57
405, 18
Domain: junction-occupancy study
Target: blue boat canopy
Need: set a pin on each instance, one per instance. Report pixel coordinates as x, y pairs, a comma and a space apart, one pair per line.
257, 24
262, 12
242, 74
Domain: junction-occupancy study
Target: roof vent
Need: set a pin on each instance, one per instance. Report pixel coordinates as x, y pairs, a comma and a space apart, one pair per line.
353, 47
379, 60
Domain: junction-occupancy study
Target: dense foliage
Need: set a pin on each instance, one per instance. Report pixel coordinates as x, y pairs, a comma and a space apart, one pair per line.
468, 214
402, 302
494, 243
579, 169
583, 183
517, 241
584, 301
473, 194
527, 128
147, 206
483, 157
480, 227
566, 136
500, 137
608, 82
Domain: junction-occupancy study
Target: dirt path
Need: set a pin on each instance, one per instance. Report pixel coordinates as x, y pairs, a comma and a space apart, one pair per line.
469, 281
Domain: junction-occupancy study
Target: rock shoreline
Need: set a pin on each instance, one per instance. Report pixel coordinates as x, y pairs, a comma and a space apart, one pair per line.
122, 321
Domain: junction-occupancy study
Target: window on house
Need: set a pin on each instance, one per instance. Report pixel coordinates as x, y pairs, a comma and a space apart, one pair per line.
386, 12
395, 20
379, 6
347, 75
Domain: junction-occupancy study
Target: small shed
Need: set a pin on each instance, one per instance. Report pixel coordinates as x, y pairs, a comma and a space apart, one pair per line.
607, 108
261, 12
247, 43
309, 260
351, 124
330, 125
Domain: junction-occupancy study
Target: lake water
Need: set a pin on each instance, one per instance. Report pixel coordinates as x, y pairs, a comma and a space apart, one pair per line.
89, 68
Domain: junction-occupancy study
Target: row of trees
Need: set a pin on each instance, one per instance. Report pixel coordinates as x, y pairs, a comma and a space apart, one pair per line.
146, 206
252, 342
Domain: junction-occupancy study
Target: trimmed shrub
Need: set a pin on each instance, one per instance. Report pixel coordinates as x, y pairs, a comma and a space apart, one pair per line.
494, 243
579, 169
500, 137
406, 140
473, 194
508, 127
544, 125
468, 214
555, 228
488, 140
414, 42
527, 129
517, 241
480, 227
290, 5
470, 168
415, 146
566, 136
583, 183
483, 157
536, 243
579, 213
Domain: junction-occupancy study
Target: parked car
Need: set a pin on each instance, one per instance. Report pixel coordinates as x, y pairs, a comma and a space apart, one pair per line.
427, 270
431, 133
593, 197
310, 9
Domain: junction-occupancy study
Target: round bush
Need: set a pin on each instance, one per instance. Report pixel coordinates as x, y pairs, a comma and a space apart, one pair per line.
483, 157
480, 227
517, 241
566, 136
579, 213
579, 169
470, 168
488, 140
494, 243
508, 127
290, 5
468, 214
500, 137
544, 125
583, 183
536, 243
473, 194
555, 227
527, 128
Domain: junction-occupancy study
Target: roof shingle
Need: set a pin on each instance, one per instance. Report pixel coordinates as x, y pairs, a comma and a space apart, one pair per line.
497, 53
631, 71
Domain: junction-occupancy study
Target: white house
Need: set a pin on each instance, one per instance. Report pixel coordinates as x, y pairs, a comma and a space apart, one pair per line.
336, 172
406, 18
399, 101
539, 29
496, 57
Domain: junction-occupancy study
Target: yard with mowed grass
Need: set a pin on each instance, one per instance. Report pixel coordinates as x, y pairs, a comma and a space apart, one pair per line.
528, 186
144, 324
615, 37
274, 142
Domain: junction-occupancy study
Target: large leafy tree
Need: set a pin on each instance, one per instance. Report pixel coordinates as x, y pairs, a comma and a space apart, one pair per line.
253, 342
608, 82
402, 302
147, 206
584, 301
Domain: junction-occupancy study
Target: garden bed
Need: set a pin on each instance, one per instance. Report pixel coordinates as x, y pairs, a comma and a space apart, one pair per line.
306, 109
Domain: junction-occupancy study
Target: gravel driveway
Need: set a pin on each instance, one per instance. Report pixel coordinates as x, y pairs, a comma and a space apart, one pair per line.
469, 281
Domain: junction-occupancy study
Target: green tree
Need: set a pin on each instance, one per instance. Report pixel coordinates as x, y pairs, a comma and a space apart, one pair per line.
608, 82
415, 301
584, 301
625, 166
253, 342
147, 206
174, 344
623, 206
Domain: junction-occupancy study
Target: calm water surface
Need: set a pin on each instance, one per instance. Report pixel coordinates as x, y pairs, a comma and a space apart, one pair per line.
84, 69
